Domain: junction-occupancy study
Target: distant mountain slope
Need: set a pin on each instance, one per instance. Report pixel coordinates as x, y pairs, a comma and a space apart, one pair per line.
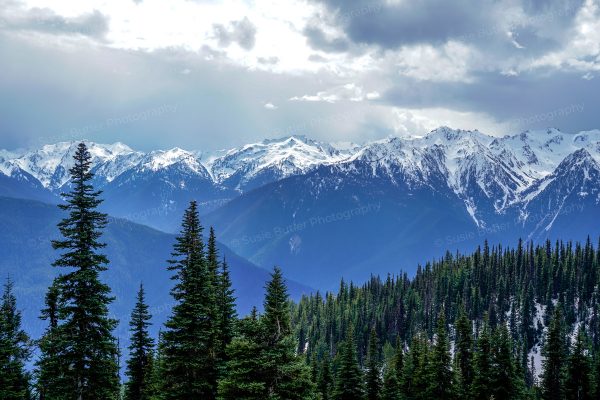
136, 253
450, 189
350, 220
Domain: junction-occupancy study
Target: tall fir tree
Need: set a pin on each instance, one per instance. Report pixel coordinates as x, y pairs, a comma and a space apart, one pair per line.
49, 365
554, 353
83, 335
243, 374
348, 381
373, 373
212, 266
482, 364
441, 377
415, 376
189, 369
578, 385
392, 375
505, 382
226, 310
262, 361
141, 352
325, 378
287, 375
15, 349
463, 354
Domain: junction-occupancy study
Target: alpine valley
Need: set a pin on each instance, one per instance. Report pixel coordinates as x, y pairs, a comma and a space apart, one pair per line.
322, 210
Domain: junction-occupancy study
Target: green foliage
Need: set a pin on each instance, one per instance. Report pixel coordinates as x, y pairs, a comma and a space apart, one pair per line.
579, 370
262, 361
349, 383
441, 377
140, 363
554, 351
190, 364
373, 375
79, 351
14, 349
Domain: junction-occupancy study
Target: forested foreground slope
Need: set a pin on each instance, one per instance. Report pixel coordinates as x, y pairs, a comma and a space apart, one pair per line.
523, 320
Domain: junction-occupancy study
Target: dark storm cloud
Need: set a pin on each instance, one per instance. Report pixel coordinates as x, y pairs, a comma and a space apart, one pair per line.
318, 40
509, 98
94, 24
242, 32
144, 100
391, 25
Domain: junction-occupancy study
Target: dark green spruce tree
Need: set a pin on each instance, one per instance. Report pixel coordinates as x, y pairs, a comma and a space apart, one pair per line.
348, 381
83, 335
481, 387
554, 351
49, 365
393, 375
505, 382
226, 310
463, 355
14, 349
373, 373
262, 361
441, 377
578, 385
415, 376
189, 368
141, 352
243, 376
287, 375
325, 378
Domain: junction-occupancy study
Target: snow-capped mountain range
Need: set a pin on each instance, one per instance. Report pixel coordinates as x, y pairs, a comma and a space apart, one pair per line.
489, 174
436, 189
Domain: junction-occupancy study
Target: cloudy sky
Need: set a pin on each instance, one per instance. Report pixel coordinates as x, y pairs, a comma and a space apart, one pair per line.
208, 74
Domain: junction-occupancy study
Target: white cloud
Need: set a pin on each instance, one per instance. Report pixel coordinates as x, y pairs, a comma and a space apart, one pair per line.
349, 92
581, 50
451, 62
409, 122
270, 106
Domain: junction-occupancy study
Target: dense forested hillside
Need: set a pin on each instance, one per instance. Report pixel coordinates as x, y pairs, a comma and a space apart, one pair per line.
498, 307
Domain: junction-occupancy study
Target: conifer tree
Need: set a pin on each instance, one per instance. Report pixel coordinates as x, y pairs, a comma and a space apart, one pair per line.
226, 308
14, 349
505, 382
325, 378
578, 385
373, 377
441, 377
140, 362
49, 366
262, 361
83, 334
212, 266
189, 364
287, 375
244, 377
415, 380
554, 351
464, 351
348, 382
482, 361
393, 375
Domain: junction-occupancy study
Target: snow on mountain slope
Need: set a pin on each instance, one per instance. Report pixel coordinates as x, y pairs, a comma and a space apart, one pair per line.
272, 160
542, 151
50, 164
474, 171
490, 175
570, 193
